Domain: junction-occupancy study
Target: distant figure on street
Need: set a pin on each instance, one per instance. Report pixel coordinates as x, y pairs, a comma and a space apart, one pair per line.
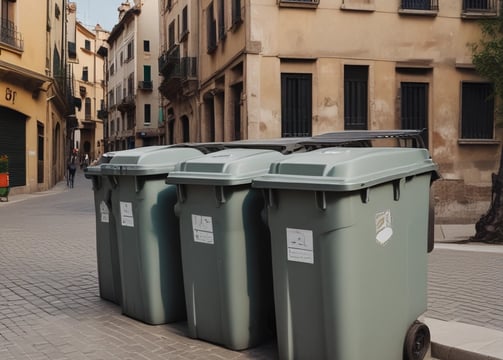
72, 168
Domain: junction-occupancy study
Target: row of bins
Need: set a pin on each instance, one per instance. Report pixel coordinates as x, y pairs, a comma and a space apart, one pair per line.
324, 249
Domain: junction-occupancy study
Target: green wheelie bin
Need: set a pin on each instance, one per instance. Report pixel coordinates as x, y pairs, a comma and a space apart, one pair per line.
148, 232
349, 229
225, 247
107, 253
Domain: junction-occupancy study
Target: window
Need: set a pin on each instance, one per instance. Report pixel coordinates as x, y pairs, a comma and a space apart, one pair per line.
85, 74
147, 114
8, 29
147, 73
185, 129
420, 4
121, 58
130, 51
296, 104
146, 84
185, 24
477, 4
112, 69
479, 8
146, 45
414, 107
221, 20
87, 45
111, 98
130, 84
72, 50
87, 108
211, 29
355, 97
299, 3
477, 110
236, 12
171, 34
358, 5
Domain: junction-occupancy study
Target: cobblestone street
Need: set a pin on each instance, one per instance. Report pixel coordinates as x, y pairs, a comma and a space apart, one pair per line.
50, 307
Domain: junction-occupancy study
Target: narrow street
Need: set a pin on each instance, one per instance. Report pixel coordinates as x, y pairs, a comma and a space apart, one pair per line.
50, 307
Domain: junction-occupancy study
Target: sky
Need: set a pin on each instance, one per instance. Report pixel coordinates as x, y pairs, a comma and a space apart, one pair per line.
103, 12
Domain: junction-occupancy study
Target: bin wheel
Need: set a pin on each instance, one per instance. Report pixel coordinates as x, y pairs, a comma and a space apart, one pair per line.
417, 341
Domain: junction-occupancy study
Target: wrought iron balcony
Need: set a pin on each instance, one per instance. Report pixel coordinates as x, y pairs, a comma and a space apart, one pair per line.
183, 72
102, 114
9, 34
127, 104
145, 85
169, 60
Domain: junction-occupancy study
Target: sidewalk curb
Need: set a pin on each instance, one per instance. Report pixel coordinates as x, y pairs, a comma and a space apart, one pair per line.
446, 352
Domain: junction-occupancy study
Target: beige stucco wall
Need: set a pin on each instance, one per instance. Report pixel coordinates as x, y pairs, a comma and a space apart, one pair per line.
320, 41
26, 75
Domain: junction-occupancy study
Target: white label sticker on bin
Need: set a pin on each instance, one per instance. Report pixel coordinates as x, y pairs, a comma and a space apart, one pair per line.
300, 245
127, 214
384, 231
202, 227
105, 215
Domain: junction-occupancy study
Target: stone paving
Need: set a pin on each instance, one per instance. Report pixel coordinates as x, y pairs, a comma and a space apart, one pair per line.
50, 307
466, 286
49, 300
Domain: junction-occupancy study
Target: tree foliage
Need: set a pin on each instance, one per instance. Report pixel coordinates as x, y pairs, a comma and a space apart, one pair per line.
488, 61
488, 54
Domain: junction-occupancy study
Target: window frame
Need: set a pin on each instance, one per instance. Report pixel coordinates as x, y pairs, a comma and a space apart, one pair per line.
469, 121
295, 119
355, 80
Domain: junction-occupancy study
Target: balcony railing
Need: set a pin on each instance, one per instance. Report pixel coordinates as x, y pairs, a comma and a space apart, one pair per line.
145, 85
480, 7
102, 114
431, 5
169, 59
9, 34
127, 104
181, 77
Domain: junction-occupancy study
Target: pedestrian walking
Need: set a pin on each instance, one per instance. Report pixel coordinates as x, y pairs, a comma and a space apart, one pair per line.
71, 170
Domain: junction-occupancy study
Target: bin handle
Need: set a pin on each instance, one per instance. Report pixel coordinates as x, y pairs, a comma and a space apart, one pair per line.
220, 195
139, 183
270, 198
96, 183
113, 180
108, 198
365, 195
396, 189
180, 193
321, 200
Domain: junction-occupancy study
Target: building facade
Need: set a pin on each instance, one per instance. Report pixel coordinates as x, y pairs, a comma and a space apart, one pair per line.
133, 101
280, 68
89, 91
179, 67
35, 93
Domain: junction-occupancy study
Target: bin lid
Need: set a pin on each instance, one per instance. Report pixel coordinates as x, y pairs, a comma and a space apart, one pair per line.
345, 169
225, 167
149, 160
